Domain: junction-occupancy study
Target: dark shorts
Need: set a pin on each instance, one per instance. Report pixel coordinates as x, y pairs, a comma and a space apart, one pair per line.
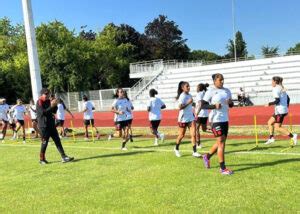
184, 125
202, 120
121, 125
89, 122
21, 122
59, 123
220, 129
12, 125
129, 122
4, 121
279, 117
154, 124
34, 120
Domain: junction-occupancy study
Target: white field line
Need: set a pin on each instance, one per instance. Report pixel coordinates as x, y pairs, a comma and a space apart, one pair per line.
156, 149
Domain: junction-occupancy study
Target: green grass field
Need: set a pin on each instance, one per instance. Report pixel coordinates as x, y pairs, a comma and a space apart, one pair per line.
148, 179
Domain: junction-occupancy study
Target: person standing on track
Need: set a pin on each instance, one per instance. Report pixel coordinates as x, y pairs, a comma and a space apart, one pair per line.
19, 112
129, 115
60, 116
88, 117
32, 111
4, 109
219, 99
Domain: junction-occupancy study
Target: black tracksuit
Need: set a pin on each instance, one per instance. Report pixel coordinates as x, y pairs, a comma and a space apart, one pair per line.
46, 125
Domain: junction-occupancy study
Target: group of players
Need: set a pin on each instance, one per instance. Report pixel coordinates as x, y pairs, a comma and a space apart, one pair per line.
192, 115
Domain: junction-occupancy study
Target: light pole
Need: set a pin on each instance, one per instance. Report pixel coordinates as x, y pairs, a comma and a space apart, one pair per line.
233, 29
35, 73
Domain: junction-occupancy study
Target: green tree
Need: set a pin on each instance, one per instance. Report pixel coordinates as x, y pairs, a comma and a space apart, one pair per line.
203, 55
241, 46
269, 51
295, 49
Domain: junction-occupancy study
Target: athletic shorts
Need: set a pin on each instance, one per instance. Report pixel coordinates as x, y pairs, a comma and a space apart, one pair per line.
89, 122
12, 125
184, 125
129, 122
279, 117
121, 124
59, 123
21, 122
220, 129
34, 120
4, 121
154, 124
202, 120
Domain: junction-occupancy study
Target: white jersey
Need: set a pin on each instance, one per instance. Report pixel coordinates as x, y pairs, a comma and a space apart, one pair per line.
282, 106
155, 105
128, 112
4, 108
32, 111
120, 105
218, 95
199, 98
60, 113
186, 115
88, 114
19, 111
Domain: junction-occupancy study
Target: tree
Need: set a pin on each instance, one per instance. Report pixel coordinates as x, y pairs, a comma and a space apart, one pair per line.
203, 55
295, 49
164, 39
269, 51
241, 46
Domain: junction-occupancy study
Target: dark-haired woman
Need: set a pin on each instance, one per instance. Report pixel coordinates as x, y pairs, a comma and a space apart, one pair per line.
219, 100
154, 107
129, 116
88, 117
201, 114
281, 103
119, 107
60, 117
4, 108
19, 112
186, 118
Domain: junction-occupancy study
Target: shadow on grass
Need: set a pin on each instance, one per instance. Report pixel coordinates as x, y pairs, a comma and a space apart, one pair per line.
245, 143
254, 149
265, 164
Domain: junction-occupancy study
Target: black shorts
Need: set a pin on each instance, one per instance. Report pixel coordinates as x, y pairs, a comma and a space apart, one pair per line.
21, 122
202, 120
89, 122
129, 122
59, 123
220, 129
184, 125
154, 124
4, 121
279, 117
34, 120
12, 125
121, 124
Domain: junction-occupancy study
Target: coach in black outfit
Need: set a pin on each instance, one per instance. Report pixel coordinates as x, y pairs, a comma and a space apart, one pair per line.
46, 123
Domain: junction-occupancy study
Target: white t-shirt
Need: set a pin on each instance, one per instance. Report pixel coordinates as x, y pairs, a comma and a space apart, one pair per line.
282, 106
60, 113
199, 98
4, 108
185, 115
128, 112
19, 111
88, 114
155, 105
120, 105
32, 110
215, 95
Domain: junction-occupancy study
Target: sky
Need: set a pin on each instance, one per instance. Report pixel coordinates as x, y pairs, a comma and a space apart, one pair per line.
206, 24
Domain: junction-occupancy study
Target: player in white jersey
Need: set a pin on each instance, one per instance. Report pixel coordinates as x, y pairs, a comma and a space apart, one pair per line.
186, 118
201, 114
60, 117
19, 112
32, 111
154, 107
88, 117
281, 102
119, 107
4, 108
219, 99
129, 114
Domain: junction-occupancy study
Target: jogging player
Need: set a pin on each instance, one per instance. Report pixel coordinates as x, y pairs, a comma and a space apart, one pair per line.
60, 116
19, 112
88, 117
4, 108
32, 111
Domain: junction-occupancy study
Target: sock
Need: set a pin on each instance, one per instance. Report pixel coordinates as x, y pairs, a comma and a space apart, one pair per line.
271, 136
222, 165
195, 148
42, 156
24, 138
177, 146
209, 156
198, 143
291, 135
123, 144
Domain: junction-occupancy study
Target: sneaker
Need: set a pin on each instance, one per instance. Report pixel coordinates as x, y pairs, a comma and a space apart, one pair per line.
1, 136
269, 141
24, 141
109, 137
67, 159
43, 162
206, 161
226, 171
196, 155
124, 149
199, 146
294, 139
162, 137
2, 141
86, 138
156, 142
177, 153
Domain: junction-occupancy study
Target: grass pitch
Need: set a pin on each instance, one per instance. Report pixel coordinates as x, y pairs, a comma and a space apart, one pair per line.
148, 179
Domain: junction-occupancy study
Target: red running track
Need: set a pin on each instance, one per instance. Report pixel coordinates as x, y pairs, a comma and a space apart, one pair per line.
238, 116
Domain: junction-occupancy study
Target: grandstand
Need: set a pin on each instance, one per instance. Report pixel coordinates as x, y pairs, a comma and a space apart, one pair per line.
253, 75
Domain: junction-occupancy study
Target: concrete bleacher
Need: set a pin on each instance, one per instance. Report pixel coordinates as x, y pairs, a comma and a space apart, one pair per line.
253, 75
